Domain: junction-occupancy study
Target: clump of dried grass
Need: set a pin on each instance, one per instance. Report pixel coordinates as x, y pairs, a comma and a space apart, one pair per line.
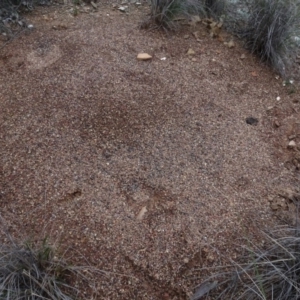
11, 22
165, 13
272, 273
32, 273
271, 31
36, 271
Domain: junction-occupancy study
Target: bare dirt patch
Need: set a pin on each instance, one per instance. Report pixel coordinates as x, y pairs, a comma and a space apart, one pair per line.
149, 169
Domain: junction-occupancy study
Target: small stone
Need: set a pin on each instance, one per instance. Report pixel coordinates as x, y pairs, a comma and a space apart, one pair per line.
59, 27
230, 44
122, 8
210, 258
30, 26
186, 36
243, 56
142, 213
278, 98
144, 56
94, 4
276, 124
194, 59
291, 145
251, 121
191, 52
186, 260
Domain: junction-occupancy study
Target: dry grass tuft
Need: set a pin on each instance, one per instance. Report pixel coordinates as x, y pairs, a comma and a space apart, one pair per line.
36, 271
271, 31
165, 13
271, 273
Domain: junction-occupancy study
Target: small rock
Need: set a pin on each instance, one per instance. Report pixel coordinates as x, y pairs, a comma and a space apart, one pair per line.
144, 56
278, 98
30, 26
163, 58
251, 121
59, 27
186, 36
276, 124
230, 44
243, 56
123, 8
194, 59
291, 145
191, 52
142, 213
210, 258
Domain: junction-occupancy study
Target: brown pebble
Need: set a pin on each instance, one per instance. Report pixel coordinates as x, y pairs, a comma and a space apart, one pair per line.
291, 145
276, 124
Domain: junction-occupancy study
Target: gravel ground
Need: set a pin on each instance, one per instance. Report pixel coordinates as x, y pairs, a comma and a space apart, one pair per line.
147, 168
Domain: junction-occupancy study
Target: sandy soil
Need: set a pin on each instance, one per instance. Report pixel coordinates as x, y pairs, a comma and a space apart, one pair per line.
148, 169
